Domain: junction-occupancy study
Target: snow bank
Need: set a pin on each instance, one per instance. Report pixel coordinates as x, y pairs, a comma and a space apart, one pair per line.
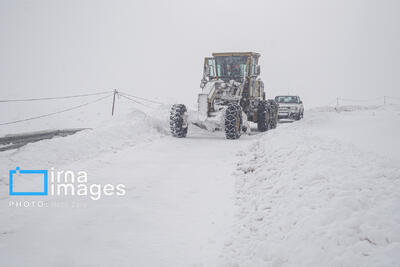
113, 134
306, 199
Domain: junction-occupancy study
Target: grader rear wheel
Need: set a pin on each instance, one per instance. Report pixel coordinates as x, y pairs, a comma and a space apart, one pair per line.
263, 116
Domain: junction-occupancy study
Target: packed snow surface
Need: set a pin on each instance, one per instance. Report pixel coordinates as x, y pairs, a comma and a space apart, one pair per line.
323, 191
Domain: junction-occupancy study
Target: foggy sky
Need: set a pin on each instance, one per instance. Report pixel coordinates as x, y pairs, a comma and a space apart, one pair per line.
316, 49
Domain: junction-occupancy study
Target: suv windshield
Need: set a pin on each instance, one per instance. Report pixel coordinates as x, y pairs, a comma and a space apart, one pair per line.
287, 99
231, 67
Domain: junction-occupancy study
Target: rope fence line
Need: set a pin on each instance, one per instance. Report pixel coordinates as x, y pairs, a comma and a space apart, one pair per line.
114, 93
331, 103
360, 100
142, 98
133, 100
57, 112
53, 98
383, 100
139, 100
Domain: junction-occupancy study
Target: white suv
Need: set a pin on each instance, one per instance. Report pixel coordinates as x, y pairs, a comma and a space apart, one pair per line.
290, 107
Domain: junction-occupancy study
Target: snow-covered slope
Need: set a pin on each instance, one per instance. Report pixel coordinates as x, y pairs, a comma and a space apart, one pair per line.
319, 192
110, 135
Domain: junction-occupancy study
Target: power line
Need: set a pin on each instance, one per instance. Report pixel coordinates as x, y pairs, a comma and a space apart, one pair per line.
360, 100
332, 102
142, 98
133, 100
57, 112
393, 97
52, 98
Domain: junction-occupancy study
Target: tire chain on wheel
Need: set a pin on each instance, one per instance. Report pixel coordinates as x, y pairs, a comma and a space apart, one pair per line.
274, 116
262, 112
177, 122
274, 113
232, 114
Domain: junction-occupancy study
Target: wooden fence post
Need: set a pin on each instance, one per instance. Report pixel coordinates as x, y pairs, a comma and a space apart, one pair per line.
113, 104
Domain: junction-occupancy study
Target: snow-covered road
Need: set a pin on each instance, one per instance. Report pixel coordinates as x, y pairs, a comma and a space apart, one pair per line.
309, 193
176, 212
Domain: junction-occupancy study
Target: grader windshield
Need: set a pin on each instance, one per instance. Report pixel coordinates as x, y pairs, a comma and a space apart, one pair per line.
231, 67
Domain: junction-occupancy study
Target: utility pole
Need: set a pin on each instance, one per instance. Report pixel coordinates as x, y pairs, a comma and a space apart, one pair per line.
384, 100
113, 104
337, 101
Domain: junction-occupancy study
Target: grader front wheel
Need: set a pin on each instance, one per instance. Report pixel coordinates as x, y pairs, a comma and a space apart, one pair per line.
177, 121
233, 121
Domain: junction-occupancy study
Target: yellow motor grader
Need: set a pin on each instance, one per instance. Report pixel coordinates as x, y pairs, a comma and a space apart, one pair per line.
232, 96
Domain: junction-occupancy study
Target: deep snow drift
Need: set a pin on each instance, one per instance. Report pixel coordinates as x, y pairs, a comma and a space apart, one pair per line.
319, 192
315, 193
